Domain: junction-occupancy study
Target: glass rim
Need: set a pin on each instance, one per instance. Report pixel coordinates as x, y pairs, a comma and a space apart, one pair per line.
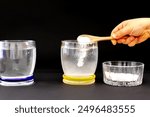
76, 42
16, 41
138, 64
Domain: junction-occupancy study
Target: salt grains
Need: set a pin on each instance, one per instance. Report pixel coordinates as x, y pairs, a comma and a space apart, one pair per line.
82, 39
121, 76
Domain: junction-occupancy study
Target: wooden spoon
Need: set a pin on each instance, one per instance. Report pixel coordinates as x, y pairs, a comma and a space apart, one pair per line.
89, 38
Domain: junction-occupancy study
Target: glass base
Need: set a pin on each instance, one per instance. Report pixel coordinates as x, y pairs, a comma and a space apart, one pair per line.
17, 81
83, 80
122, 83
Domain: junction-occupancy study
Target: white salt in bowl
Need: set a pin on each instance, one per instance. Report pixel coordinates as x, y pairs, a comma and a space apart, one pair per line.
123, 73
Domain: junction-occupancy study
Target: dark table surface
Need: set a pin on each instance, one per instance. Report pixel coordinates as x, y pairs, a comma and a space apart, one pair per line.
49, 86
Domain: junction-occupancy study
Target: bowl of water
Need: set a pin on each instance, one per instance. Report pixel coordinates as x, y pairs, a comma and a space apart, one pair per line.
123, 73
79, 62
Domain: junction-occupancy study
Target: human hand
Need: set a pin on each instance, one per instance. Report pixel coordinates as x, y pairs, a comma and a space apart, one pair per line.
131, 32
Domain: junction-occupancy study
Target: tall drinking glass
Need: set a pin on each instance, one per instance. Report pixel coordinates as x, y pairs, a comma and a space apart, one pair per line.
17, 62
79, 62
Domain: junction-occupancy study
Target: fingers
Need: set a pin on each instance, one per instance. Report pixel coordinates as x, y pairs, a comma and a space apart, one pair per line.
129, 40
121, 41
114, 42
144, 37
133, 43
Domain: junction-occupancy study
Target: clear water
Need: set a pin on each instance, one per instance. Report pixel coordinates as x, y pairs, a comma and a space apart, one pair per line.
17, 64
79, 61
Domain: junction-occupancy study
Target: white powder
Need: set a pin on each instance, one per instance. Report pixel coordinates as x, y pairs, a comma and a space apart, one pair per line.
82, 39
80, 62
82, 55
121, 76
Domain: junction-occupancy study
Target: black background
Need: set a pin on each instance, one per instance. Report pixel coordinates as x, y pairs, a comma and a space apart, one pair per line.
49, 22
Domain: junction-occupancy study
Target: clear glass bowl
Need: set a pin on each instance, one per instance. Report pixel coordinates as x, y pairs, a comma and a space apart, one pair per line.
123, 73
79, 62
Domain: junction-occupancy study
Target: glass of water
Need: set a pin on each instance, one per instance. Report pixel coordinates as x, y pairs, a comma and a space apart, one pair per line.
123, 73
17, 62
79, 62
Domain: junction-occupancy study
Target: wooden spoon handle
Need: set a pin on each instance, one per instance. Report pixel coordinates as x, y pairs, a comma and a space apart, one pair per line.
97, 38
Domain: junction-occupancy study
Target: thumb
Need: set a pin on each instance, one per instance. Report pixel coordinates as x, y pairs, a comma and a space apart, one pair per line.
122, 32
